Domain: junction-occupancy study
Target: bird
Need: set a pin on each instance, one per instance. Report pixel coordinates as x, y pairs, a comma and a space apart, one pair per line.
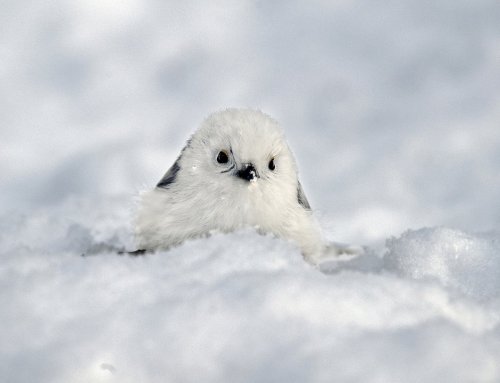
236, 171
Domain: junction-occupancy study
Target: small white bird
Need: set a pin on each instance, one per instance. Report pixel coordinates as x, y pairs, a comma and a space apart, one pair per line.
235, 171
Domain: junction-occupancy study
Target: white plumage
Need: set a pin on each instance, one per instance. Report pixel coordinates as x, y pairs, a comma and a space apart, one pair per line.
236, 171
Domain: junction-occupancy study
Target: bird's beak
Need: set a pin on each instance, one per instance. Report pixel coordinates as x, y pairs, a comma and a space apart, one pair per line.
248, 172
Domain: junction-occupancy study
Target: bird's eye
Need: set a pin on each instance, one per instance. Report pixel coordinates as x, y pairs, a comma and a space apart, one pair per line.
222, 157
271, 165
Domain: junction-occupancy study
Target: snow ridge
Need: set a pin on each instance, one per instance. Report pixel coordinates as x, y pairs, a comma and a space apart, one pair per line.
241, 306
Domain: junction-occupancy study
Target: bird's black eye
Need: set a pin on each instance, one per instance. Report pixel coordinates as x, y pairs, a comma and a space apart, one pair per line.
271, 165
222, 157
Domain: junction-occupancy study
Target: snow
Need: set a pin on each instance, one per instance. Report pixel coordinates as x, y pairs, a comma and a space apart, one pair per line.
241, 307
392, 112
468, 263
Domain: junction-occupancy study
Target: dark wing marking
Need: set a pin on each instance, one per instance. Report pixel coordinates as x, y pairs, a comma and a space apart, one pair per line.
301, 197
170, 175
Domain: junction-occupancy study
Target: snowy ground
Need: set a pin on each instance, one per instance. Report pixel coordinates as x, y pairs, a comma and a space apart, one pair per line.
392, 111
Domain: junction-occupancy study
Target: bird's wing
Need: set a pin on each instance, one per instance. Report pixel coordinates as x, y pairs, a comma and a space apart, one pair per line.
169, 177
301, 197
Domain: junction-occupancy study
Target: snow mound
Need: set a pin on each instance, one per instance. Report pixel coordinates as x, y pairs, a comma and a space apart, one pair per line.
464, 262
239, 307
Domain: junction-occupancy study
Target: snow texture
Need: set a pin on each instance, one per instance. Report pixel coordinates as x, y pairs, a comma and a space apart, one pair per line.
391, 109
465, 262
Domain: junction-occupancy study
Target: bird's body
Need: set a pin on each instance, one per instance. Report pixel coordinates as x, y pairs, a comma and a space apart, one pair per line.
236, 171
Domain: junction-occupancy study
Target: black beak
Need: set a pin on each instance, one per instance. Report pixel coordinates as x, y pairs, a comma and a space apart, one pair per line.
247, 172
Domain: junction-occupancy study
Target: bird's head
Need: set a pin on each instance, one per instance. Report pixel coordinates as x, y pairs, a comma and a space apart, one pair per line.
237, 153
245, 148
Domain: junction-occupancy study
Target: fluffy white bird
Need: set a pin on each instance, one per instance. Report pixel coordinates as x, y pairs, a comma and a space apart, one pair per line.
235, 171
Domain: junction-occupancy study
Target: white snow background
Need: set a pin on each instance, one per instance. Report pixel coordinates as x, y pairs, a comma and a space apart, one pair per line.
392, 109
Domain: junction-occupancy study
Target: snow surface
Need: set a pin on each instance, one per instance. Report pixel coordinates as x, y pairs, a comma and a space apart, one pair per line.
391, 109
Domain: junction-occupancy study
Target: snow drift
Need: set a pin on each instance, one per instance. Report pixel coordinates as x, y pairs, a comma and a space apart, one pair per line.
241, 307
464, 262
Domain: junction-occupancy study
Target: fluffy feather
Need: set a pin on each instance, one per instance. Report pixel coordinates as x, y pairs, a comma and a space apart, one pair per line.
199, 195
